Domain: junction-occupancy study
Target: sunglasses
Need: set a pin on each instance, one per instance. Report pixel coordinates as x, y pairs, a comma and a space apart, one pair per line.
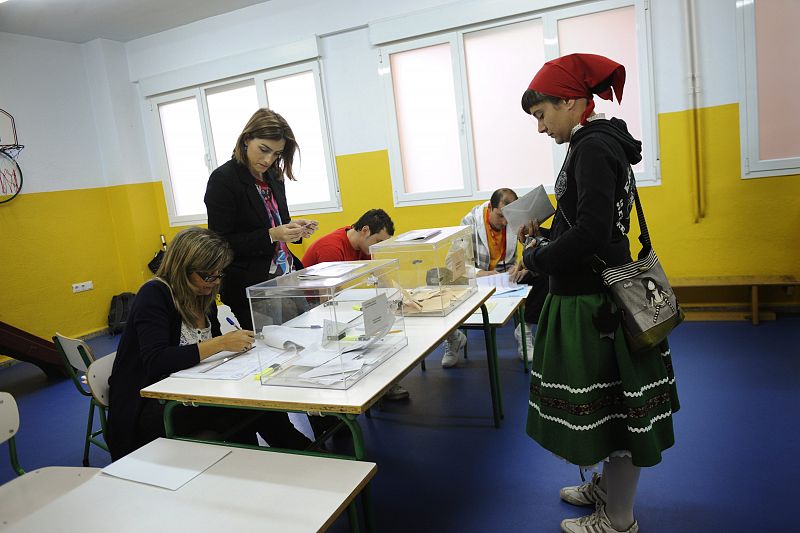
210, 278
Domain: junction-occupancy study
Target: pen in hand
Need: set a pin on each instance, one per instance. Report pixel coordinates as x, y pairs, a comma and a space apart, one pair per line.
231, 322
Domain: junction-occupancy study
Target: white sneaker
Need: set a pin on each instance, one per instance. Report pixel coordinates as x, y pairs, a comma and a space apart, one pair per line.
589, 493
453, 345
597, 522
528, 341
396, 392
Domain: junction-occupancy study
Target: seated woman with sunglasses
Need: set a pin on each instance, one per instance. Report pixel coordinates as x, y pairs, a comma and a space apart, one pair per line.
173, 326
246, 203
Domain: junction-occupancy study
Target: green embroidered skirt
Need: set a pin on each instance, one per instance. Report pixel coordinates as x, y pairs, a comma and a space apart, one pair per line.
590, 396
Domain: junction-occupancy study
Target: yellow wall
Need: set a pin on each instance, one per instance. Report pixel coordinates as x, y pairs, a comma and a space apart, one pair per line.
750, 226
50, 240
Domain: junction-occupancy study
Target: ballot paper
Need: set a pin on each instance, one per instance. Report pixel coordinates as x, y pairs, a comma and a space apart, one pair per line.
284, 337
334, 269
533, 206
224, 365
501, 282
418, 235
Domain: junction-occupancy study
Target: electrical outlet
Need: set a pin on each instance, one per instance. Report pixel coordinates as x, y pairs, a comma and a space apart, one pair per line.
83, 286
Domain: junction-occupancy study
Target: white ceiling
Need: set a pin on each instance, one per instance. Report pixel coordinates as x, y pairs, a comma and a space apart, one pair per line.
80, 21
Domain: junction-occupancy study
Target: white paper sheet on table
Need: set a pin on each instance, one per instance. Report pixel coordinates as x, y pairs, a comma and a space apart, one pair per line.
166, 463
236, 368
501, 282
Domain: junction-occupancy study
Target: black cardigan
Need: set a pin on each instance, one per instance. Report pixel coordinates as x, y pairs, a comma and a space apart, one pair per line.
148, 352
594, 193
236, 211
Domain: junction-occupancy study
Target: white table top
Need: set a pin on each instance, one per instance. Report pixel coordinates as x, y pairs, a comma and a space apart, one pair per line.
501, 308
247, 490
424, 334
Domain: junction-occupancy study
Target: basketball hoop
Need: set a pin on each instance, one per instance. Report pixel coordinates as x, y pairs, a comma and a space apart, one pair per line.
10, 172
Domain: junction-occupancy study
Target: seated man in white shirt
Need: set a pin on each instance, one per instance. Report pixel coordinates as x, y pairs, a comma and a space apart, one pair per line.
496, 251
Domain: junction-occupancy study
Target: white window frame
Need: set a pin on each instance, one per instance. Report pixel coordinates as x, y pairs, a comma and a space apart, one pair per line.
334, 204
395, 158
161, 152
199, 93
752, 164
650, 175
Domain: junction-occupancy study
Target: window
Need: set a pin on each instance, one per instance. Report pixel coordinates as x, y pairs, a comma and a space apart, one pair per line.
768, 42
199, 128
457, 131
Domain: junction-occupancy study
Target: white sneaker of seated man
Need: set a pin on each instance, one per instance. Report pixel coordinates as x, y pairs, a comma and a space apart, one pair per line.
528, 341
453, 345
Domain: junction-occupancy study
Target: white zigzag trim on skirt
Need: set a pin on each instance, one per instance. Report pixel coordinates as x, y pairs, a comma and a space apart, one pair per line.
599, 422
668, 352
602, 386
571, 426
650, 426
648, 386
576, 391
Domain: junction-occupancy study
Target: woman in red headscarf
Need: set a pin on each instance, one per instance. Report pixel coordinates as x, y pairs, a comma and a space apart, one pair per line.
591, 399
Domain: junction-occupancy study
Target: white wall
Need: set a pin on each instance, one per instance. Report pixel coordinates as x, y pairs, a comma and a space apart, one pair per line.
79, 115
115, 105
44, 86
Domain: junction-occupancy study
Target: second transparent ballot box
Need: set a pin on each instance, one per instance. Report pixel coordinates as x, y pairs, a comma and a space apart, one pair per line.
437, 268
329, 325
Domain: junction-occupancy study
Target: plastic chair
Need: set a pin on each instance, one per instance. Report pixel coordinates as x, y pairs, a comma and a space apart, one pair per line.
9, 425
77, 357
97, 376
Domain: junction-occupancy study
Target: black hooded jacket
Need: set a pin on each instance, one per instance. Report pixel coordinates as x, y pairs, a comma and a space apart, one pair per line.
594, 193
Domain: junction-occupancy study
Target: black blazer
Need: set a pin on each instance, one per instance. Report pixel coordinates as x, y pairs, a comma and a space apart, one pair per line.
149, 350
236, 211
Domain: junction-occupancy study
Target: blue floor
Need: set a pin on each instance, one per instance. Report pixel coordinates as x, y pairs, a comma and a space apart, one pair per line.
442, 467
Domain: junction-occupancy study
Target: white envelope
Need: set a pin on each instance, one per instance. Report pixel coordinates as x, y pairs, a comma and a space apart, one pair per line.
533, 206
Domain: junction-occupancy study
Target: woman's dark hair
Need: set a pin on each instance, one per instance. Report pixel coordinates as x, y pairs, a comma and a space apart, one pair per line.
530, 98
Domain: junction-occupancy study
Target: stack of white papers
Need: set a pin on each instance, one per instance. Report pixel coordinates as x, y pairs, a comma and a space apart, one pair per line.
501, 282
224, 365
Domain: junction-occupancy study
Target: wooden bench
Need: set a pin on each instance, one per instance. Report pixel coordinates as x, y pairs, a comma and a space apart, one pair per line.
754, 282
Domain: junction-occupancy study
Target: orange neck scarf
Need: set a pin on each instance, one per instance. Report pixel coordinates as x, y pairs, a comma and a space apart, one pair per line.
496, 239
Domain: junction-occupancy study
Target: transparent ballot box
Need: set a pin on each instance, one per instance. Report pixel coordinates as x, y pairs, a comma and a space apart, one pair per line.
437, 268
329, 325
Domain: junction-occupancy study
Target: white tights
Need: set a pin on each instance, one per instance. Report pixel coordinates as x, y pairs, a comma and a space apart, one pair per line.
619, 480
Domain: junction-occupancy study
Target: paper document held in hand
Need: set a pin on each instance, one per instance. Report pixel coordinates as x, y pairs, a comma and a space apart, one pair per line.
533, 206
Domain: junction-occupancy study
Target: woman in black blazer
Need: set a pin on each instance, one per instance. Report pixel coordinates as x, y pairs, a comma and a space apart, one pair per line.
246, 203
173, 326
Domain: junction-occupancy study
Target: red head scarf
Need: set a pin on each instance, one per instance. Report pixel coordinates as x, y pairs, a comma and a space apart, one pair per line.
580, 76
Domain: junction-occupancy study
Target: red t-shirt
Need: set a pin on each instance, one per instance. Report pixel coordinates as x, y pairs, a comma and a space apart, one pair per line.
334, 246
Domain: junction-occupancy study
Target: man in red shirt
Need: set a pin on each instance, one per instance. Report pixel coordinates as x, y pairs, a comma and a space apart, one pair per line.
351, 243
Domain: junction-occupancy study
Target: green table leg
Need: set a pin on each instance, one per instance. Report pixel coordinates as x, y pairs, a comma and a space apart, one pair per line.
491, 358
521, 319
352, 514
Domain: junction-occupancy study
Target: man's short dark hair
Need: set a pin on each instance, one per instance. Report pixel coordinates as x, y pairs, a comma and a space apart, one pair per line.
376, 219
505, 195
